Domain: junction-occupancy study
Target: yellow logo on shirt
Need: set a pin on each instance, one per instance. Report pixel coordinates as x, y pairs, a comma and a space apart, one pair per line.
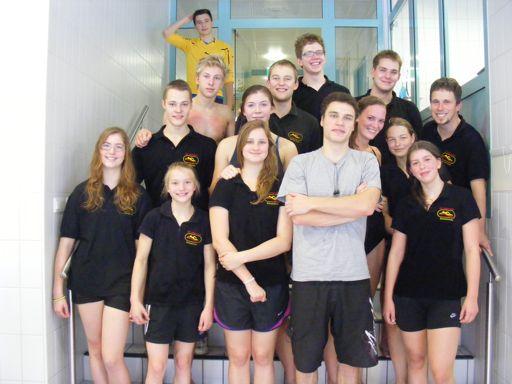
191, 158
193, 238
446, 214
296, 137
448, 158
271, 199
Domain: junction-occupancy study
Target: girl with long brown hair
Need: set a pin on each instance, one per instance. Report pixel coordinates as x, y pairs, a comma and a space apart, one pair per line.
102, 214
251, 231
425, 280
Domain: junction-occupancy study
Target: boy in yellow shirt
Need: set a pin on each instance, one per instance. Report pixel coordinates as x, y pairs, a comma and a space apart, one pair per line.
197, 48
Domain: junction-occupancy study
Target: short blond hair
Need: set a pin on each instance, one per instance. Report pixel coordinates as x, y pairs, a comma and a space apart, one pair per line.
212, 61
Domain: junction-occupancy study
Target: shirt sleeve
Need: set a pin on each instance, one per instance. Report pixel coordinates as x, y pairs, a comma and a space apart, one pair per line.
207, 231
209, 163
469, 207
478, 164
371, 172
70, 225
143, 207
230, 62
179, 42
149, 223
137, 163
414, 118
400, 217
222, 195
294, 180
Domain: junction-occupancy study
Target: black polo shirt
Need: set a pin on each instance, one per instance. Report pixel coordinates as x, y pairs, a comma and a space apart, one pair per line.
300, 127
152, 161
432, 265
464, 153
103, 262
395, 185
397, 107
249, 226
310, 100
297, 126
176, 261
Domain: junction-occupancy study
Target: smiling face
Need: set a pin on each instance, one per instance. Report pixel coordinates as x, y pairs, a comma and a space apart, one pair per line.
255, 149
203, 24
282, 82
257, 106
444, 107
386, 74
371, 121
113, 151
312, 59
181, 184
399, 140
209, 81
177, 106
424, 166
338, 122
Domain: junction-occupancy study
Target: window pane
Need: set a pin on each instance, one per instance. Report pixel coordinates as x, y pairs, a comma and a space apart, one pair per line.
355, 9
283, 9
464, 39
428, 61
186, 7
355, 48
401, 43
257, 49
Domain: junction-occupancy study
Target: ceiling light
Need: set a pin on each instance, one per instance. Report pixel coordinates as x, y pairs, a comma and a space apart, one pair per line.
274, 54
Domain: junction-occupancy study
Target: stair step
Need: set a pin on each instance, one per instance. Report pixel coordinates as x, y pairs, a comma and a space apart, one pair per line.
219, 353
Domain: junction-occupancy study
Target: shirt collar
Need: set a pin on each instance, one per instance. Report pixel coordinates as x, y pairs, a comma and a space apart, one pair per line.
166, 210
160, 133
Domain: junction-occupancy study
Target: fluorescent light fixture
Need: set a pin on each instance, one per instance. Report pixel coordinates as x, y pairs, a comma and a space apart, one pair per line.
274, 54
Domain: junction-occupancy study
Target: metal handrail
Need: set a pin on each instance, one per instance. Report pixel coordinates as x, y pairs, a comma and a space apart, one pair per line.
138, 123
494, 276
491, 265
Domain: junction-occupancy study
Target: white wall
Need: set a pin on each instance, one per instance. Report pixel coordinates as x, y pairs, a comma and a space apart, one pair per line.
500, 86
23, 38
69, 70
105, 62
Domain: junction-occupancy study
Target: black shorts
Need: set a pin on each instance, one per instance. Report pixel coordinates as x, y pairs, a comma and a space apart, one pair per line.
121, 302
167, 324
347, 306
234, 310
414, 314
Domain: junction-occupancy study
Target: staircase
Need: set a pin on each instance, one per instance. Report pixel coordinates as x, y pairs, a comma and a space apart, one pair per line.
212, 368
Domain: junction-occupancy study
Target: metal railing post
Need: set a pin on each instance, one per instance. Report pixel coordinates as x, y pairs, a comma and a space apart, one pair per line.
494, 276
71, 339
489, 337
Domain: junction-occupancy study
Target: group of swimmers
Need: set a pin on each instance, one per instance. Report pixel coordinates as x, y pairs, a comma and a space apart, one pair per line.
348, 190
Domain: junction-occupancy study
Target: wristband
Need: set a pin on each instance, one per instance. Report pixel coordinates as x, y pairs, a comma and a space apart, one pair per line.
249, 280
58, 298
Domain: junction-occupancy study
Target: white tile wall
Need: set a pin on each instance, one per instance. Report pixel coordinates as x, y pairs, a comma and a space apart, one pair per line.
97, 65
500, 56
105, 62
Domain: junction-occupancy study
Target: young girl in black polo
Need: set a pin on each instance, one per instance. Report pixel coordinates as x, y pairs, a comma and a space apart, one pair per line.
396, 184
425, 278
102, 214
176, 255
251, 231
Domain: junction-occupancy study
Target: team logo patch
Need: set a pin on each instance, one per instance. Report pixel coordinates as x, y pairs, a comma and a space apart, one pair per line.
448, 158
446, 214
193, 238
271, 199
191, 158
296, 137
